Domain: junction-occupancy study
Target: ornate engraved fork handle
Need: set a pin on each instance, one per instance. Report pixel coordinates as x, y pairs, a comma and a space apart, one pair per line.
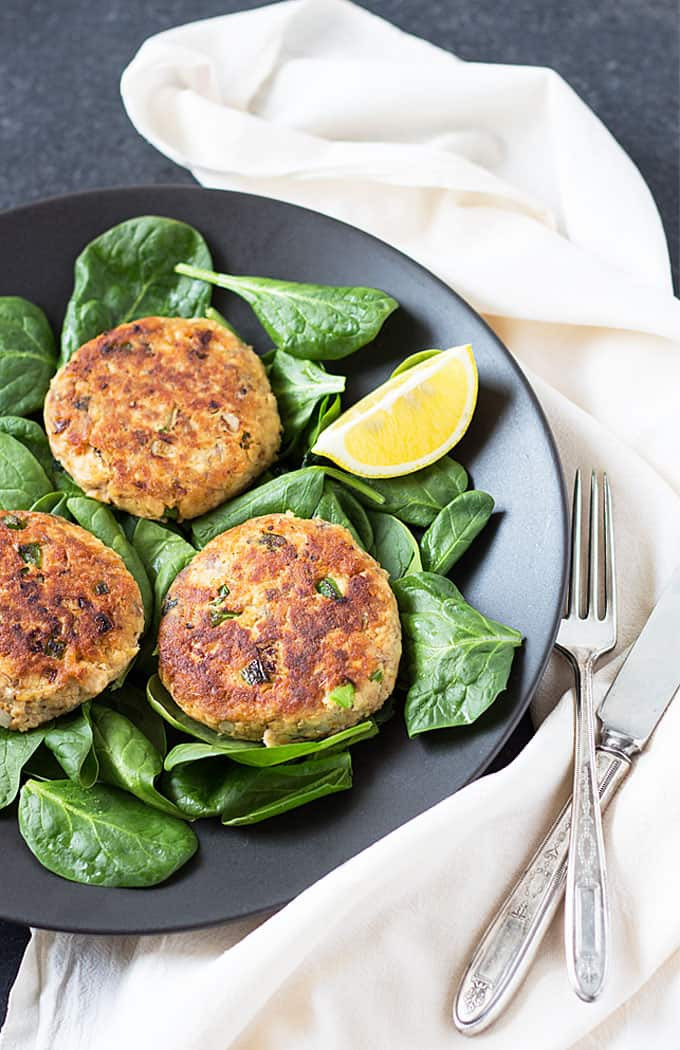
586, 917
510, 943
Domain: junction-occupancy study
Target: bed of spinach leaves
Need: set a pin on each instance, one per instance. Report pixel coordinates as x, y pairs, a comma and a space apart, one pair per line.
111, 785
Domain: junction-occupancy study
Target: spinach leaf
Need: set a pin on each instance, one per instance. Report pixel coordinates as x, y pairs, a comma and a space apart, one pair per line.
254, 795
163, 554
22, 480
127, 758
340, 507
351, 481
128, 523
247, 796
299, 386
417, 498
132, 703
243, 751
413, 360
70, 741
394, 545
32, 436
315, 321
355, 513
330, 509
326, 413
53, 503
454, 529
250, 754
99, 520
101, 836
64, 482
15, 750
128, 272
214, 315
458, 660
298, 491
27, 356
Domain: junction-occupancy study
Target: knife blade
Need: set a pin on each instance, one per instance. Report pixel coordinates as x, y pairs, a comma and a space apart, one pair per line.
630, 711
649, 677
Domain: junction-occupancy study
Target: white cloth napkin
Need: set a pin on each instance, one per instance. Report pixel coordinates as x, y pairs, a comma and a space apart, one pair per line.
500, 180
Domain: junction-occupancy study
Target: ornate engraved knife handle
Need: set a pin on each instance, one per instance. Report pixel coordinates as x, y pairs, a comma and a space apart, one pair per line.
510, 943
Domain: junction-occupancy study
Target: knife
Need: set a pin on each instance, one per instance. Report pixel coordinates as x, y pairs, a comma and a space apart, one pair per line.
629, 713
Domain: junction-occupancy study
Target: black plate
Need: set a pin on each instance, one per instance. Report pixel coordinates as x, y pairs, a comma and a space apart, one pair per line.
514, 573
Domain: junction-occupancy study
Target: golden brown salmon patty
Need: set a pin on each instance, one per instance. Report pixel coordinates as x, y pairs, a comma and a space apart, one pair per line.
70, 621
163, 416
280, 629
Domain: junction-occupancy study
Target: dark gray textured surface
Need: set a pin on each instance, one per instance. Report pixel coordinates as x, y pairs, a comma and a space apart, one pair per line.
62, 127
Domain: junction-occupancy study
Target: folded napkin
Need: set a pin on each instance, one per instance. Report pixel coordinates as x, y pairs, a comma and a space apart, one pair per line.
500, 180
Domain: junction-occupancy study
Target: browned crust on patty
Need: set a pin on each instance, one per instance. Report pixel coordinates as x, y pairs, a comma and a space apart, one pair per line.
270, 668
163, 415
70, 621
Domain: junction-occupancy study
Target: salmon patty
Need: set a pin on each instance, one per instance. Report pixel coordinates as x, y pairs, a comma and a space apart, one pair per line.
163, 417
280, 629
71, 617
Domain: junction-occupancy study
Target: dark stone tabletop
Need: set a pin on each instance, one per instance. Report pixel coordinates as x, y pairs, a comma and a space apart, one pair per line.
63, 128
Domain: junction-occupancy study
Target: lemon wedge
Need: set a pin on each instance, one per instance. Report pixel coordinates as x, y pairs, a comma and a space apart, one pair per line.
409, 422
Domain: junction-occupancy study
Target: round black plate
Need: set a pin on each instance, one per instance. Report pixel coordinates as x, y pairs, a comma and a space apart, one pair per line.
514, 572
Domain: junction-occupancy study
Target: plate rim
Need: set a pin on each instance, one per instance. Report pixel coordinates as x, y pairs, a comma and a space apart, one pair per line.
73, 198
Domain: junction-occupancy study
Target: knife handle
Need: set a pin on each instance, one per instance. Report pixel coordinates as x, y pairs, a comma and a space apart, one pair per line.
507, 949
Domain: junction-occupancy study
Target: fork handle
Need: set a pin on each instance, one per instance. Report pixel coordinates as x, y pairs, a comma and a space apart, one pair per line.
586, 916
509, 945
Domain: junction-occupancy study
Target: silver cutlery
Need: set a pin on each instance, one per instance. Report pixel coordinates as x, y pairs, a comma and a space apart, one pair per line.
583, 638
629, 713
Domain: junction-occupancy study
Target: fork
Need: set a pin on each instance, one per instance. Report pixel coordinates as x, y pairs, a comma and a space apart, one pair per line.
584, 636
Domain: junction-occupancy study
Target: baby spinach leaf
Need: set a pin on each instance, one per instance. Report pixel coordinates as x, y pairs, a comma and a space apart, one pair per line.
27, 356
127, 758
413, 360
64, 482
32, 436
163, 554
246, 752
15, 750
70, 741
417, 498
128, 523
250, 754
298, 491
129, 272
132, 702
22, 480
458, 660
330, 509
355, 513
394, 545
214, 315
299, 386
359, 485
99, 520
254, 795
314, 321
454, 529
53, 503
326, 413
101, 836
247, 796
